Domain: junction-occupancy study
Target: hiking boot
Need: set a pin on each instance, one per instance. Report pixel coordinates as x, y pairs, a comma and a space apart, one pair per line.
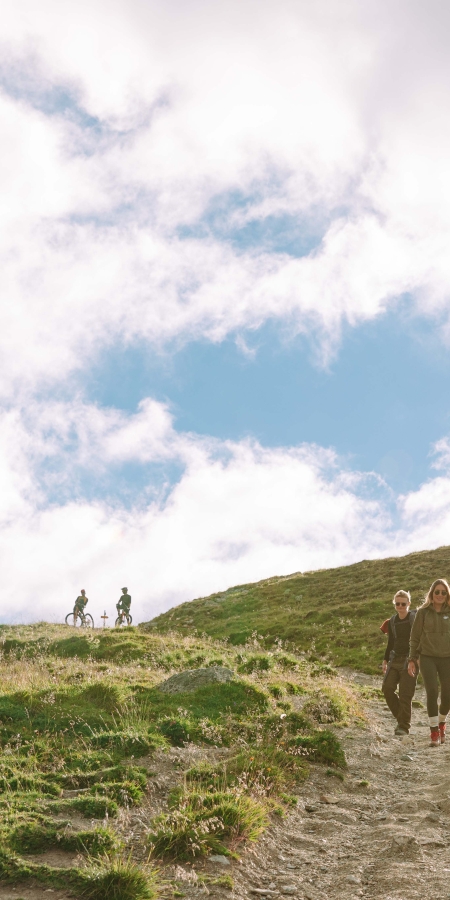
435, 737
400, 732
442, 731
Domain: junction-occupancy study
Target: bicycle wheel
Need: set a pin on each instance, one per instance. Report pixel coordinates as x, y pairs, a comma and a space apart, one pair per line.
70, 619
129, 619
118, 622
88, 621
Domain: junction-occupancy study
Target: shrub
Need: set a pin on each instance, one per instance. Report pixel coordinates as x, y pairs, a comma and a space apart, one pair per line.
320, 746
176, 730
128, 742
115, 878
125, 793
91, 807
204, 822
257, 663
324, 709
37, 836
275, 690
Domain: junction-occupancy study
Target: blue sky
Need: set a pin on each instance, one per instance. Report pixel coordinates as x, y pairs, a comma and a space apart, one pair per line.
224, 326
381, 402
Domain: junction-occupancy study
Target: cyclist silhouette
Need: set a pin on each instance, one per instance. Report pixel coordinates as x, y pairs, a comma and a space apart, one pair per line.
80, 603
123, 606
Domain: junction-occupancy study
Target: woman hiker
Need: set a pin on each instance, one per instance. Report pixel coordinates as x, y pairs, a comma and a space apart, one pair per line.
429, 647
395, 663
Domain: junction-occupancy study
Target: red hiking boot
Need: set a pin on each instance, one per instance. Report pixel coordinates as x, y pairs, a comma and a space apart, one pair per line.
435, 737
442, 731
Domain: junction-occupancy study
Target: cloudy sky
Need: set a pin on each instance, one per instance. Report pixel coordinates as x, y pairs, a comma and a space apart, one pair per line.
225, 293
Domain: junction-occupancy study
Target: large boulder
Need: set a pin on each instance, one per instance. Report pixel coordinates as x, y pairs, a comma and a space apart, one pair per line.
193, 679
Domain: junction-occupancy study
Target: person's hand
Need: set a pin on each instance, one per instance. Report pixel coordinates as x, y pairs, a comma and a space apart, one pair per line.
384, 666
411, 668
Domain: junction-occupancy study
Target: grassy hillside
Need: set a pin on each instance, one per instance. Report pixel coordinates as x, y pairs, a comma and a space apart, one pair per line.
332, 614
83, 730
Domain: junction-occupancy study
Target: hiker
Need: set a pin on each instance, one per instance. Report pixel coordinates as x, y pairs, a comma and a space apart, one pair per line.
429, 647
123, 606
80, 604
395, 663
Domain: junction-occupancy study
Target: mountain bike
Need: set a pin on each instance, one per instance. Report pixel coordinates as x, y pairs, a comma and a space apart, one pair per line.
123, 619
80, 620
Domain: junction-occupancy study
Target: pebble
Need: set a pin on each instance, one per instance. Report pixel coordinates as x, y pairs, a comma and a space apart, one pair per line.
407, 757
288, 889
217, 858
325, 798
310, 808
262, 891
352, 879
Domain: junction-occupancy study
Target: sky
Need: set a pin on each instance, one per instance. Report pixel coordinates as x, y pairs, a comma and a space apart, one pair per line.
225, 294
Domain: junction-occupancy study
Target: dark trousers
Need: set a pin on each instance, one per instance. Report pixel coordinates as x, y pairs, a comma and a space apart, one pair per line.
399, 704
431, 668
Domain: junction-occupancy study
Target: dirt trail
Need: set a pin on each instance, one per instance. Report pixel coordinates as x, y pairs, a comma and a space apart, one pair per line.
381, 834
385, 840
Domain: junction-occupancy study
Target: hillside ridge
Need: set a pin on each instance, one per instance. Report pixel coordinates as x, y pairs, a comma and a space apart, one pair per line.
330, 614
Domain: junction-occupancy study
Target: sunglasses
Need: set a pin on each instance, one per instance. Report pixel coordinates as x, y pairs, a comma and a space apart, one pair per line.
444, 593
401, 604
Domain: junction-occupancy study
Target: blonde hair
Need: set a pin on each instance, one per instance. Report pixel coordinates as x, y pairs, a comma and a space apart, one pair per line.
429, 598
404, 594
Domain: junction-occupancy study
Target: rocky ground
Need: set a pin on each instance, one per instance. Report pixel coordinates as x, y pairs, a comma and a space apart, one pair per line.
382, 833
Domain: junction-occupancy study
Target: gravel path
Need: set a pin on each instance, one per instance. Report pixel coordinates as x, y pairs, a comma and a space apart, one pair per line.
382, 834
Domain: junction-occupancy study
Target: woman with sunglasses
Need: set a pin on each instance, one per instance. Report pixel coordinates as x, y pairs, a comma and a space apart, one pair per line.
395, 663
430, 647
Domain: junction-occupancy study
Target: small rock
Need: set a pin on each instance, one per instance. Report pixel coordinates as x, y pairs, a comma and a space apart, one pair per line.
263, 892
194, 679
310, 808
407, 757
217, 858
352, 879
288, 888
404, 846
325, 798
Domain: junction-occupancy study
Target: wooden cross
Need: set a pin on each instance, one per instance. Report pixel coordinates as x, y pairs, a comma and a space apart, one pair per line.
104, 617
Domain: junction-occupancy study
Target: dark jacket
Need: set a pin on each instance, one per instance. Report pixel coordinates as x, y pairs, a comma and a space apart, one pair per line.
398, 631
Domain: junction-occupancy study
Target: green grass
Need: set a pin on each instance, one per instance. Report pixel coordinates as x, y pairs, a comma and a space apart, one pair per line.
333, 615
203, 822
113, 877
81, 718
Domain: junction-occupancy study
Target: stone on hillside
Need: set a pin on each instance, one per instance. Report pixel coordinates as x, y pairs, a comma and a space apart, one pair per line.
404, 846
193, 679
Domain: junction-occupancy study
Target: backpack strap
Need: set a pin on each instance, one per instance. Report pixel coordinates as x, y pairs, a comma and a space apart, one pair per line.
411, 617
392, 624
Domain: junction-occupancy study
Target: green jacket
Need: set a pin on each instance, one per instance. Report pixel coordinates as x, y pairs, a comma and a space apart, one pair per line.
430, 633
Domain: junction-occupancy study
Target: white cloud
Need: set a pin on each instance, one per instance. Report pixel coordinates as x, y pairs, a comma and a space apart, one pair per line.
238, 512
328, 114
139, 138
